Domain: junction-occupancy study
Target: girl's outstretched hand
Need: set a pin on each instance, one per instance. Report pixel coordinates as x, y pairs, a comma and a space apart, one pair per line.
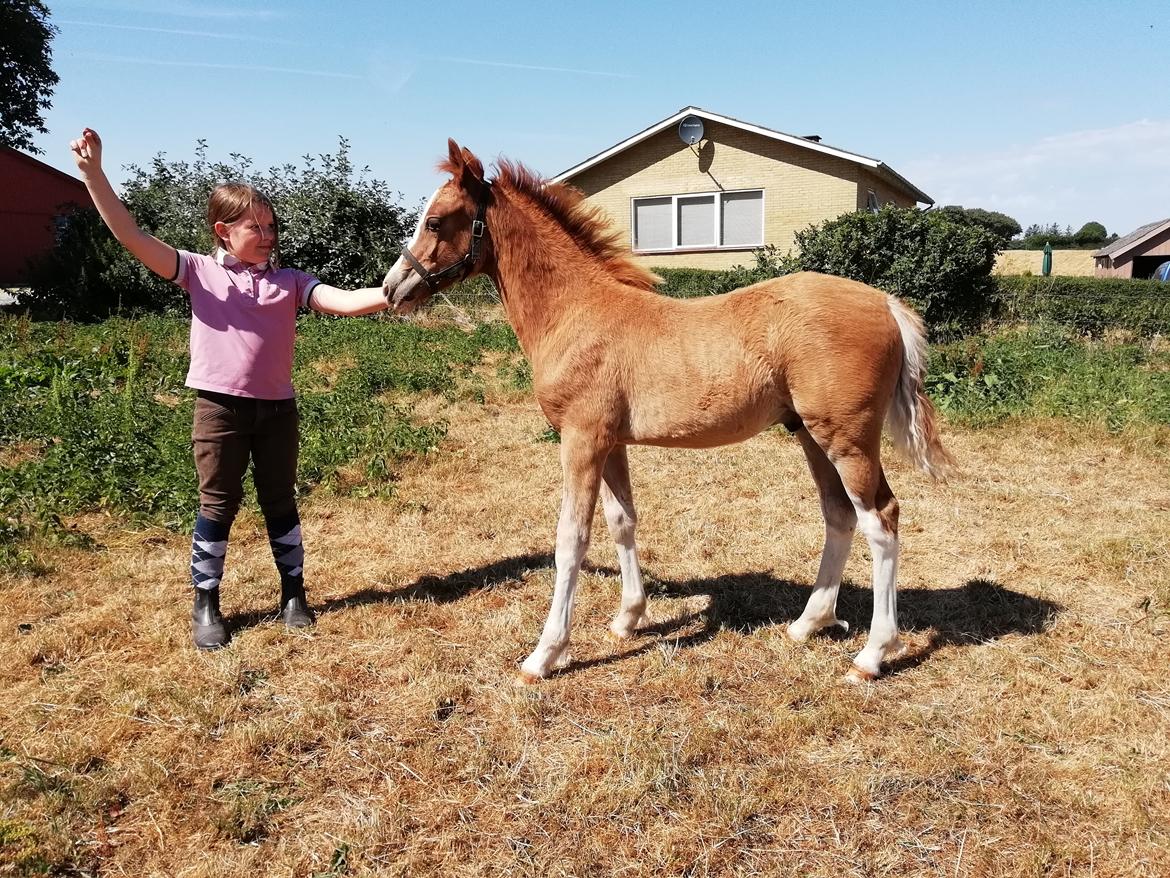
87, 152
156, 255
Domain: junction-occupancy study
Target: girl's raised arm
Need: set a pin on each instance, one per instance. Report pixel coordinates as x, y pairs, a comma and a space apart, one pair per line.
156, 255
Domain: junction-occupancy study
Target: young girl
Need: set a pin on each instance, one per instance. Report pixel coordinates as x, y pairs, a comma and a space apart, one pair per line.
243, 307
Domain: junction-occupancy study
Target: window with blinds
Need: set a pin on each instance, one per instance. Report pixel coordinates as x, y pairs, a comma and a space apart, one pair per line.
703, 221
743, 219
652, 222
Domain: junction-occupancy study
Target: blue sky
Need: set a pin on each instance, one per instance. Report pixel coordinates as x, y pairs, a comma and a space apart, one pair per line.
1049, 112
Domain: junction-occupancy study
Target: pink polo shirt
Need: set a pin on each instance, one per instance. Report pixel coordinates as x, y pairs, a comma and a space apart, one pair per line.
243, 323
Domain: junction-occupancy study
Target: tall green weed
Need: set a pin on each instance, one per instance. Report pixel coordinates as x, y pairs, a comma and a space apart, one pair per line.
1048, 370
106, 421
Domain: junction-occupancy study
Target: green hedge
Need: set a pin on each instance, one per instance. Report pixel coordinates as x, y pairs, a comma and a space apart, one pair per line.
1088, 304
688, 283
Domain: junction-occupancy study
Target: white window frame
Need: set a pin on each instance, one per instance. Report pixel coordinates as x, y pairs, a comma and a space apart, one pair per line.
674, 199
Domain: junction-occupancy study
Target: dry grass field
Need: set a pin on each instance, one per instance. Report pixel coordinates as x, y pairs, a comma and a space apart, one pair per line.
1026, 733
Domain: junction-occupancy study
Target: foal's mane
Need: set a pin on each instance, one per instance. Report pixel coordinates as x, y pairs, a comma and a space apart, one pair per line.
585, 223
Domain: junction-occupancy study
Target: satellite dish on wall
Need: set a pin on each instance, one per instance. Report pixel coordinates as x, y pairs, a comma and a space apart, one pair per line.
690, 130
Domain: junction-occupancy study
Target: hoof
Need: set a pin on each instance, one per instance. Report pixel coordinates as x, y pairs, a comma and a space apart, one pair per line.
799, 632
896, 650
619, 637
526, 679
858, 676
795, 637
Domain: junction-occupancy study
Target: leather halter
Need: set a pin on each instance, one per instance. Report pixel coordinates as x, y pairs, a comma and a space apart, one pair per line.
458, 269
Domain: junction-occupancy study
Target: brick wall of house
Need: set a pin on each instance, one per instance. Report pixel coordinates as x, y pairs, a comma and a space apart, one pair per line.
886, 193
801, 186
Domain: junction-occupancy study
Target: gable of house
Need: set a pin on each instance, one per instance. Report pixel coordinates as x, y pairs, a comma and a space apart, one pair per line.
737, 169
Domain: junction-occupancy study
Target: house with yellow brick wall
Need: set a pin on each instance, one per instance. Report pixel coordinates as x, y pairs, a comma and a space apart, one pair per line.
702, 190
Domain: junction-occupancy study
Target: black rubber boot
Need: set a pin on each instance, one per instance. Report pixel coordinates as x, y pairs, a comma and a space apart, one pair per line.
207, 628
294, 608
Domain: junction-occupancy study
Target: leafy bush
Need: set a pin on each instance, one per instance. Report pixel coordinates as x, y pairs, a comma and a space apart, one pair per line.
1090, 305
335, 223
941, 267
998, 223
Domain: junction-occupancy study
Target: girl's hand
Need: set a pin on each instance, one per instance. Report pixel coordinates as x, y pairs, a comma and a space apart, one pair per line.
156, 255
87, 152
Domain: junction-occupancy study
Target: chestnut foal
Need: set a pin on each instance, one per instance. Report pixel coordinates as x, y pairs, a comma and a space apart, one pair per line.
614, 363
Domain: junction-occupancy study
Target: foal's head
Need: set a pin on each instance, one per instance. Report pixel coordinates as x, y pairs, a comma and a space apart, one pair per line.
449, 243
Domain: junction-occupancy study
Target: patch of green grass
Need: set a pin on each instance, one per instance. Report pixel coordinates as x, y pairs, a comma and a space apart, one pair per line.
246, 809
338, 863
516, 375
102, 420
1049, 371
40, 832
105, 409
22, 851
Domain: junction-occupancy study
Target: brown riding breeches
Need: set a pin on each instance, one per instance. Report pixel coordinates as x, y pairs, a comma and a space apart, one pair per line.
231, 430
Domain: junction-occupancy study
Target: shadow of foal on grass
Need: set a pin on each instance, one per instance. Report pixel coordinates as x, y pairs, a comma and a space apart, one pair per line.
978, 611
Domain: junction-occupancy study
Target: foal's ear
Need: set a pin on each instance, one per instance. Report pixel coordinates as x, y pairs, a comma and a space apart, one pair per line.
472, 165
454, 156
464, 166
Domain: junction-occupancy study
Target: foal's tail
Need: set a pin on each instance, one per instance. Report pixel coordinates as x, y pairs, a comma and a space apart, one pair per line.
911, 418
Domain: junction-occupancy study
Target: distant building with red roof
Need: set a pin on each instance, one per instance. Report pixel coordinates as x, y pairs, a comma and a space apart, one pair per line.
32, 196
1137, 254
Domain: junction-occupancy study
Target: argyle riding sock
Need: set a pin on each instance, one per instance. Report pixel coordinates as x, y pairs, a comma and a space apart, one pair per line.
208, 548
284, 536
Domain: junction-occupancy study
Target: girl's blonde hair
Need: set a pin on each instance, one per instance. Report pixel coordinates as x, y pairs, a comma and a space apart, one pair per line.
230, 201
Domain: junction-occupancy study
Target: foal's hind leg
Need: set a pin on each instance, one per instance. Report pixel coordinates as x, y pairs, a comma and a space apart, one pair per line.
581, 460
840, 520
877, 515
617, 499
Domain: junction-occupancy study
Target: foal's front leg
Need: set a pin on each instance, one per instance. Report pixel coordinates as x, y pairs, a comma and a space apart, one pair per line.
581, 461
617, 499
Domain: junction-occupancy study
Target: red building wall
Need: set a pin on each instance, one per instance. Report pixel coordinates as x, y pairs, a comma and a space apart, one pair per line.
31, 194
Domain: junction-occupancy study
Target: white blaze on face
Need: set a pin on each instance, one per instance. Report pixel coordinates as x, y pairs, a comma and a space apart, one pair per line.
402, 269
422, 219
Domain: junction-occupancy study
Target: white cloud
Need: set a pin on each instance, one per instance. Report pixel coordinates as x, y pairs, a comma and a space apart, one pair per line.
1119, 176
158, 62
532, 67
218, 35
197, 10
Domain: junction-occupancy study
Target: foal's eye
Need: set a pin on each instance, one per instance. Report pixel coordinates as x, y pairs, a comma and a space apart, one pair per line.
432, 223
